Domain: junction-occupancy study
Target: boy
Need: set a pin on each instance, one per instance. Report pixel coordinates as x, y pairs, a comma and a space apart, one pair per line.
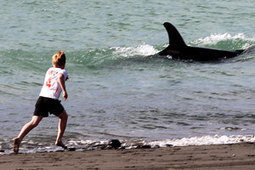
54, 83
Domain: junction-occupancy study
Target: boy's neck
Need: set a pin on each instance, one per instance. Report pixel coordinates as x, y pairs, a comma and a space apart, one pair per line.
62, 67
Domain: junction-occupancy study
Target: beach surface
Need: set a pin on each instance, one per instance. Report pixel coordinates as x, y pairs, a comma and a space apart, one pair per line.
231, 156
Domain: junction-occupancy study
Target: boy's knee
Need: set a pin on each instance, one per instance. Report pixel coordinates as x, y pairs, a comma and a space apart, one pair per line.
63, 115
34, 123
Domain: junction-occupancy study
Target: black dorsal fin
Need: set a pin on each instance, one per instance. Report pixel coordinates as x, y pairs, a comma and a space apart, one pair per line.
175, 39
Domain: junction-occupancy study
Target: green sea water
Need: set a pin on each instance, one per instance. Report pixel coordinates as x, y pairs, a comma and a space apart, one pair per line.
118, 86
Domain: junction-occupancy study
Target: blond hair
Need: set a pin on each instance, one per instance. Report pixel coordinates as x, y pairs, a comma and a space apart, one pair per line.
59, 59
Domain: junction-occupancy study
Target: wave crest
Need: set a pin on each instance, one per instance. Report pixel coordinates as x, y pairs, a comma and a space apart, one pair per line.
141, 50
226, 41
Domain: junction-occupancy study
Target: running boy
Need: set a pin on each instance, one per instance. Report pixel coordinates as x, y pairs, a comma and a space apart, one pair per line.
54, 84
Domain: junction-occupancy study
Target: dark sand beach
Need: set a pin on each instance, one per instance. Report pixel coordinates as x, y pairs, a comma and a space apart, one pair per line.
235, 156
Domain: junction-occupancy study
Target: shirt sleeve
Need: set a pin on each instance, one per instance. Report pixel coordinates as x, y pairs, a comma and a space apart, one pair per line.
64, 72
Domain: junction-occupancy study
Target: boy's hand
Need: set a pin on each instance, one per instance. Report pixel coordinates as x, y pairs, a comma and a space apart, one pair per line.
65, 95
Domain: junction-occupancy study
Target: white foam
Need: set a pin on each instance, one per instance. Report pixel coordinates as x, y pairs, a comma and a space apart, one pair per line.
80, 145
204, 140
141, 50
80, 142
215, 38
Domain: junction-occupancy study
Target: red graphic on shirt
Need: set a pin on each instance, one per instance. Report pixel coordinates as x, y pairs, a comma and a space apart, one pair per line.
48, 82
51, 74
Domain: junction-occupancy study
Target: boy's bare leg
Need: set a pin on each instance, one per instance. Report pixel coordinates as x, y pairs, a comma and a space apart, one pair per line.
25, 130
61, 129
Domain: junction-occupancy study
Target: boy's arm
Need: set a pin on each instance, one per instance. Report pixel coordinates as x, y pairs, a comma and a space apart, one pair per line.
61, 79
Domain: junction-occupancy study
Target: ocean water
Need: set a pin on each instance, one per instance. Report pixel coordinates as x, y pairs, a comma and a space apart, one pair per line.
119, 88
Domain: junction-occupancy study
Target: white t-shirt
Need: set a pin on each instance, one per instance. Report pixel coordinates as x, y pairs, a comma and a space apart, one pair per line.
51, 86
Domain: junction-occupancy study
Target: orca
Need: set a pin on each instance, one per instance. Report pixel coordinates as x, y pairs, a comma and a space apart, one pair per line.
178, 49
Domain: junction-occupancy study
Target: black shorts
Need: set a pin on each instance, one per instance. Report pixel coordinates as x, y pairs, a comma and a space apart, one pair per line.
44, 106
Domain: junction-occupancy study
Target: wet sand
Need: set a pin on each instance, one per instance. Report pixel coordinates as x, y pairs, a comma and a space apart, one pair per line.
227, 157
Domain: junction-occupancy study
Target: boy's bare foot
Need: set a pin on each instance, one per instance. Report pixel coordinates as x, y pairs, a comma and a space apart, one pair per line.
60, 143
16, 143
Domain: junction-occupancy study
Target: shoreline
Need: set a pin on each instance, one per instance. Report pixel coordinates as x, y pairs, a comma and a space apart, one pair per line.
229, 156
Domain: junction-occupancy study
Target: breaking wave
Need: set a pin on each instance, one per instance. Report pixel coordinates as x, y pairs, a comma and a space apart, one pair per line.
225, 41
